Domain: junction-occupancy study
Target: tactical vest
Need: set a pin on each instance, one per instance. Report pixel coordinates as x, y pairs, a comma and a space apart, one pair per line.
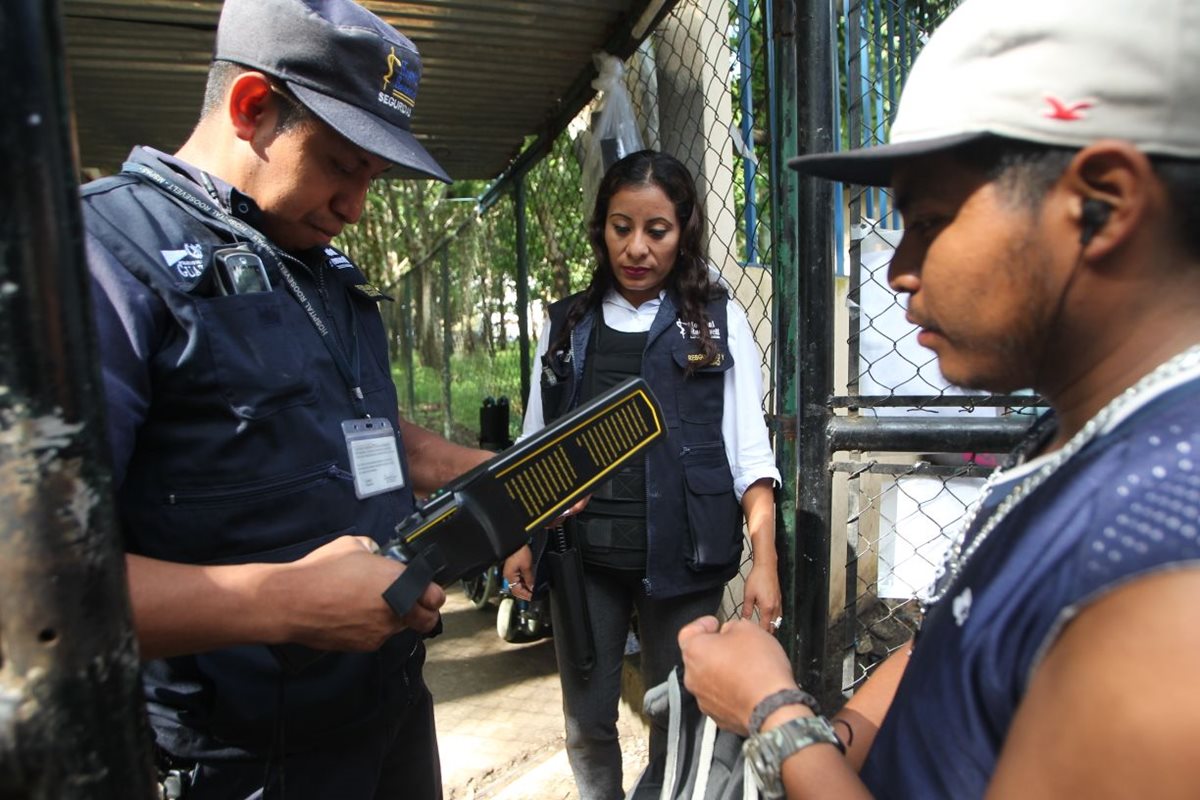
611, 530
693, 520
241, 458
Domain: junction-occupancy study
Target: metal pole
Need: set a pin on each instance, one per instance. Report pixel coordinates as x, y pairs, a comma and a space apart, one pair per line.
749, 166
406, 348
785, 310
447, 345
928, 435
816, 83
71, 719
522, 284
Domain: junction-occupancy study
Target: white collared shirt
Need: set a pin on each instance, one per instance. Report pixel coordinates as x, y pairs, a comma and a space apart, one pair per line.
743, 428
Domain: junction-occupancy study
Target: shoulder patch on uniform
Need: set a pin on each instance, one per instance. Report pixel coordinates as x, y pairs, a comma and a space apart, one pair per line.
336, 259
370, 291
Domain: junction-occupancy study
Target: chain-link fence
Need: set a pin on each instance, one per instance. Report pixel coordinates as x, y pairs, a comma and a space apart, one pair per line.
882, 478
899, 502
469, 308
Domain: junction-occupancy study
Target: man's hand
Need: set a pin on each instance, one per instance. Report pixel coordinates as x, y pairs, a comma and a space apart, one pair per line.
730, 668
332, 599
335, 598
518, 571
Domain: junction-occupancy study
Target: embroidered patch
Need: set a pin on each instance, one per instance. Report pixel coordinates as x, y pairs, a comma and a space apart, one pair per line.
399, 90
336, 260
716, 362
370, 291
1067, 112
188, 263
690, 330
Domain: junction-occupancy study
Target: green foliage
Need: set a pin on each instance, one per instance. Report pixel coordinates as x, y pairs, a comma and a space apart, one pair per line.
476, 376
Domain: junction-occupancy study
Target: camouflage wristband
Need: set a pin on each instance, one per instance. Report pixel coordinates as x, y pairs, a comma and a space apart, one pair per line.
777, 700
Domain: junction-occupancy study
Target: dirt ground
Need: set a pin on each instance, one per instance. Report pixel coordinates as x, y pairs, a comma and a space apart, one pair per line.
499, 713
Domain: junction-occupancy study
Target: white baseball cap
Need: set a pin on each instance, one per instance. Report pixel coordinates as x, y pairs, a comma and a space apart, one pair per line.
1055, 72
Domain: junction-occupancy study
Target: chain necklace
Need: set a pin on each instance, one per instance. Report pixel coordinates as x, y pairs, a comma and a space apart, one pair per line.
957, 557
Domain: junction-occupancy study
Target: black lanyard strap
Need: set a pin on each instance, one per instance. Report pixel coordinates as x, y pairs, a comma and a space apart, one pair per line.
349, 368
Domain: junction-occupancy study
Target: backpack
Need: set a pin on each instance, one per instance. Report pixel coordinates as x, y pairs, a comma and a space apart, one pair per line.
701, 761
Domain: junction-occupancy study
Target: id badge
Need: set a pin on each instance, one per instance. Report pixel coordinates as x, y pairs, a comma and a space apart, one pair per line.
374, 458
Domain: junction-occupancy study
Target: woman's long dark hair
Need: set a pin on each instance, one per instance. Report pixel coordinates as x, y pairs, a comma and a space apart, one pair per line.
688, 280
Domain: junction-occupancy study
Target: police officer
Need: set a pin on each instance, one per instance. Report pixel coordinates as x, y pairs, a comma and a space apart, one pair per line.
258, 455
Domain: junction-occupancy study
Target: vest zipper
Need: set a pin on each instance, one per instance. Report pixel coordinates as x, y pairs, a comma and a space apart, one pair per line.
257, 490
696, 448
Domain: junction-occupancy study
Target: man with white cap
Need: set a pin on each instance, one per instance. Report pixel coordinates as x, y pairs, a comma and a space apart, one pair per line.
258, 455
1046, 159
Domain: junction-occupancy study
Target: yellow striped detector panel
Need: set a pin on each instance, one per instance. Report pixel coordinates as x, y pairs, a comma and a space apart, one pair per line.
483, 516
570, 463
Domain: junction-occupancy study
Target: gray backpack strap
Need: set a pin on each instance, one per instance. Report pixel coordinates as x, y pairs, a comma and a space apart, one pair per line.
704, 760
700, 761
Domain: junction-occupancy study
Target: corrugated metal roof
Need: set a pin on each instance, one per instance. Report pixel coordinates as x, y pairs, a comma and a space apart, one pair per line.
495, 71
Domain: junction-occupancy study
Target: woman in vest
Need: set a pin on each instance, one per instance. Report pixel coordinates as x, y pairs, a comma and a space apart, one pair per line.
664, 536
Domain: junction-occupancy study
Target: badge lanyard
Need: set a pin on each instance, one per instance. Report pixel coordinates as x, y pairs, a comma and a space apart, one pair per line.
349, 368
370, 443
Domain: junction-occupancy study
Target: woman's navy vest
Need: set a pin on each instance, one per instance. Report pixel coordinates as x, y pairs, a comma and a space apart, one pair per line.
693, 520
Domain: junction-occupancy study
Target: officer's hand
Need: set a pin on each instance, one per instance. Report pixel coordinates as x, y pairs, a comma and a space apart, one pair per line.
578, 506
518, 571
730, 668
332, 599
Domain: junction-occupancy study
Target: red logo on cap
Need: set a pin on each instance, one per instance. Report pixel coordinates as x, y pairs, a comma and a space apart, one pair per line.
1067, 112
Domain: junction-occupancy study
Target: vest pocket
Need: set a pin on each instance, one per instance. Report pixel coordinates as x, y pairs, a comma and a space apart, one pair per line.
555, 379
259, 491
713, 513
701, 395
257, 362
210, 523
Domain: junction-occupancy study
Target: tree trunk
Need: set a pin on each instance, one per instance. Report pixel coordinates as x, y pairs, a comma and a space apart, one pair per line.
559, 270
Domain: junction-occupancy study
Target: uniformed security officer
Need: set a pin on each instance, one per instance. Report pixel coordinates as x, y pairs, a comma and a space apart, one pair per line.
257, 451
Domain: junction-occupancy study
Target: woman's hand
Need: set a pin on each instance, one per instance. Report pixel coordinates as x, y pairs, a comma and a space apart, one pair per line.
518, 571
762, 584
762, 594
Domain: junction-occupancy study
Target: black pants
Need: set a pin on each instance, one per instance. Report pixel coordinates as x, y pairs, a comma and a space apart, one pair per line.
396, 760
591, 705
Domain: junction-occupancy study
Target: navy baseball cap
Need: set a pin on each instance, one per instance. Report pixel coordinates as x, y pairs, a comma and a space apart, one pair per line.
346, 65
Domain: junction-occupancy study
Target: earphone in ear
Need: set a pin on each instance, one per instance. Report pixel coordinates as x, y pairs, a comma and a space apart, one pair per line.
1094, 215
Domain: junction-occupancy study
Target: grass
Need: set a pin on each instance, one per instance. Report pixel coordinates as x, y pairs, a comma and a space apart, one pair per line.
473, 377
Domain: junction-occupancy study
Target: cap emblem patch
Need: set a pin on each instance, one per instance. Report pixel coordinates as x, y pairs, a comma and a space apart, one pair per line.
1067, 112
400, 84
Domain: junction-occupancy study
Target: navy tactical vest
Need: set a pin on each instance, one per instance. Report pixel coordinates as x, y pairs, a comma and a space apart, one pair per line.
693, 520
241, 459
